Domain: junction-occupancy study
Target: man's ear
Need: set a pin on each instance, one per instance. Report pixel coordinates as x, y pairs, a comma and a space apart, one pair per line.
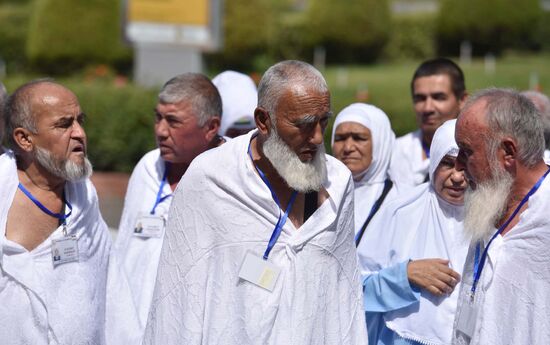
212, 127
509, 152
263, 120
23, 138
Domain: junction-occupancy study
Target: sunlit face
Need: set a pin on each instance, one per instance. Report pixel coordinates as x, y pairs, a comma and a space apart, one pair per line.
450, 183
434, 102
353, 146
179, 136
59, 122
470, 138
302, 117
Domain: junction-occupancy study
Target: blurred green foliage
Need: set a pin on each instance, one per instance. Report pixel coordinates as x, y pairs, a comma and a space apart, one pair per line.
65, 35
411, 37
13, 28
351, 30
490, 25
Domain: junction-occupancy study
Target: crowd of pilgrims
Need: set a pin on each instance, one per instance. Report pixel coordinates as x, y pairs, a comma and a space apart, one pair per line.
407, 211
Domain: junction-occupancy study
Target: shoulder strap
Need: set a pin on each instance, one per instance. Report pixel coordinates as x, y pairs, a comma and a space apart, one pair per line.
388, 184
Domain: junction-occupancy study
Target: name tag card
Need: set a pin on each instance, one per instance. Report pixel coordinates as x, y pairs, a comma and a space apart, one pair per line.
467, 318
64, 250
259, 272
149, 226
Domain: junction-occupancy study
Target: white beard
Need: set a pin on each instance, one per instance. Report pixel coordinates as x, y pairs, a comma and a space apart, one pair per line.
63, 168
300, 176
485, 205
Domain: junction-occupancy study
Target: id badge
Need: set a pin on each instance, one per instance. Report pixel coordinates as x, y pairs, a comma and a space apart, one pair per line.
64, 250
467, 318
259, 272
149, 226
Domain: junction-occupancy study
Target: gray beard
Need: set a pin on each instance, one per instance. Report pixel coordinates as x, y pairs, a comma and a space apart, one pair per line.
485, 205
300, 176
63, 168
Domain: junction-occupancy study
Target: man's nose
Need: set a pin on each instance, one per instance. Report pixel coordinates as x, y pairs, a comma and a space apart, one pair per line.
161, 129
317, 138
78, 130
428, 105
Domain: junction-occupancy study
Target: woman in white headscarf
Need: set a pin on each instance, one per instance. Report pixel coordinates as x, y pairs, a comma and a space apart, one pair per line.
363, 140
239, 100
412, 252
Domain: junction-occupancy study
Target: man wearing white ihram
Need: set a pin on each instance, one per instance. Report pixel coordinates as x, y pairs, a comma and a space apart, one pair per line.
187, 118
504, 297
54, 245
259, 245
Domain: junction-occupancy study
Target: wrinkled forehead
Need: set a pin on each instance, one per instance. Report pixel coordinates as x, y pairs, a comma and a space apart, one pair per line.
305, 100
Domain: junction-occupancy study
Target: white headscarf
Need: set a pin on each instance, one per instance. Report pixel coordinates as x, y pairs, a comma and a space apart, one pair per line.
420, 225
383, 138
369, 183
239, 99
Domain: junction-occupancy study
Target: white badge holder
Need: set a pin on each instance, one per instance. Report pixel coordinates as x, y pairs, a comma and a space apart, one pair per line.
64, 250
149, 226
467, 319
259, 272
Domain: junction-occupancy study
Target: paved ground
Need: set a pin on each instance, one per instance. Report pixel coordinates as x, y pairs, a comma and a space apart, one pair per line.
111, 188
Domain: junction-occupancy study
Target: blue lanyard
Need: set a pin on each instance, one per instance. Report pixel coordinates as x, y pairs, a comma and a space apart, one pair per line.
480, 262
62, 217
425, 148
160, 197
282, 220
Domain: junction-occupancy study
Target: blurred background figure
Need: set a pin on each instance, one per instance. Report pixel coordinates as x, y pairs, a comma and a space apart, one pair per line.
363, 140
438, 91
542, 103
239, 99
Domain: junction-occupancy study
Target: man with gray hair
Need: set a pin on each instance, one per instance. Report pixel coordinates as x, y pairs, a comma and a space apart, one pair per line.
187, 119
542, 103
504, 297
260, 233
54, 245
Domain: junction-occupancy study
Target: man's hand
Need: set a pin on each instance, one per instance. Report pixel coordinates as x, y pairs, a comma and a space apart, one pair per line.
433, 275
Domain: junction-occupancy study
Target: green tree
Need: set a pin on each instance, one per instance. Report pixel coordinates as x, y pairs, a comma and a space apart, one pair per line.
247, 33
490, 25
351, 30
67, 34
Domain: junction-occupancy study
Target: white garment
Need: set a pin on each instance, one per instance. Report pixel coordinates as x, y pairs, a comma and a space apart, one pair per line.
138, 256
40, 304
512, 296
547, 156
369, 184
407, 165
239, 100
217, 216
419, 225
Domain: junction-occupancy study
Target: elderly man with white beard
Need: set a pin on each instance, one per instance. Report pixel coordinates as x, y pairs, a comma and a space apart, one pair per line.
259, 244
504, 297
54, 245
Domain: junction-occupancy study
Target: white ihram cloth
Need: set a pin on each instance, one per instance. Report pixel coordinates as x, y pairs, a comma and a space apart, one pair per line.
369, 184
420, 225
407, 165
138, 257
217, 215
239, 100
512, 296
41, 304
